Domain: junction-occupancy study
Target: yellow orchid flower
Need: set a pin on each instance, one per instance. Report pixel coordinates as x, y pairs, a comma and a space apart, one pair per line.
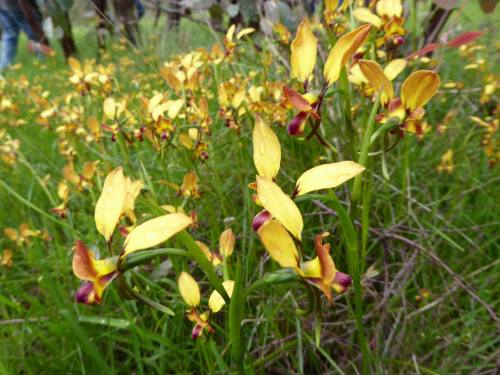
304, 49
306, 104
190, 293
343, 49
388, 18
97, 274
320, 271
416, 91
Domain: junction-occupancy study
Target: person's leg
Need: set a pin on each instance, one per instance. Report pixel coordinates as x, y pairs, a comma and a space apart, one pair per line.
10, 35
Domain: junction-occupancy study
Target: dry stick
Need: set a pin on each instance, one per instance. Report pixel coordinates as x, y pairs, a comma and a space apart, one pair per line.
458, 279
449, 292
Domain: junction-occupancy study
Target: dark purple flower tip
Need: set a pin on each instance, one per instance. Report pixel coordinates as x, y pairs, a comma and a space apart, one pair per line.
342, 281
260, 219
86, 294
196, 332
296, 125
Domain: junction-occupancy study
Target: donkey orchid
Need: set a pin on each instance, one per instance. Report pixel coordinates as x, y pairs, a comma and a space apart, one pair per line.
416, 91
320, 271
281, 218
388, 18
190, 293
116, 200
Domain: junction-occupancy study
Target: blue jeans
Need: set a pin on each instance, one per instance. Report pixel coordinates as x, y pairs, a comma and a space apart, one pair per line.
11, 23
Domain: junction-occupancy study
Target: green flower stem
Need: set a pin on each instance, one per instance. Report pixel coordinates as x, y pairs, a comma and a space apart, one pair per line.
365, 148
130, 292
236, 309
136, 259
195, 253
351, 133
353, 263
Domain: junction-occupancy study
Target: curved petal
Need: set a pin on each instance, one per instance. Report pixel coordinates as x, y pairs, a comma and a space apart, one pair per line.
419, 88
280, 205
226, 243
216, 302
279, 244
327, 176
155, 231
345, 47
395, 67
390, 8
110, 204
377, 78
266, 150
189, 289
365, 15
304, 48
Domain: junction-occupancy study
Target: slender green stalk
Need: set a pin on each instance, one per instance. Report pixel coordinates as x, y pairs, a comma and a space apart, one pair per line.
365, 148
195, 252
141, 257
353, 263
351, 133
37, 209
235, 317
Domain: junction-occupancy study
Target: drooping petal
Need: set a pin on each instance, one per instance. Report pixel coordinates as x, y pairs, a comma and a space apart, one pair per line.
87, 267
304, 49
296, 100
395, 67
86, 293
327, 176
110, 204
345, 47
266, 150
133, 190
226, 243
279, 244
98, 274
365, 15
341, 282
419, 88
155, 231
297, 124
390, 8
328, 269
377, 78
216, 302
280, 205
189, 289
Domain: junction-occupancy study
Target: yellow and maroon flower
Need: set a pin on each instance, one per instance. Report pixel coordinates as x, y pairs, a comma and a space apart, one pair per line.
97, 274
306, 105
322, 273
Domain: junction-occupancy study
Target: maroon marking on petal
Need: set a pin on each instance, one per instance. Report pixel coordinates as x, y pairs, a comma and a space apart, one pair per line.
86, 294
196, 332
296, 125
260, 219
343, 279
